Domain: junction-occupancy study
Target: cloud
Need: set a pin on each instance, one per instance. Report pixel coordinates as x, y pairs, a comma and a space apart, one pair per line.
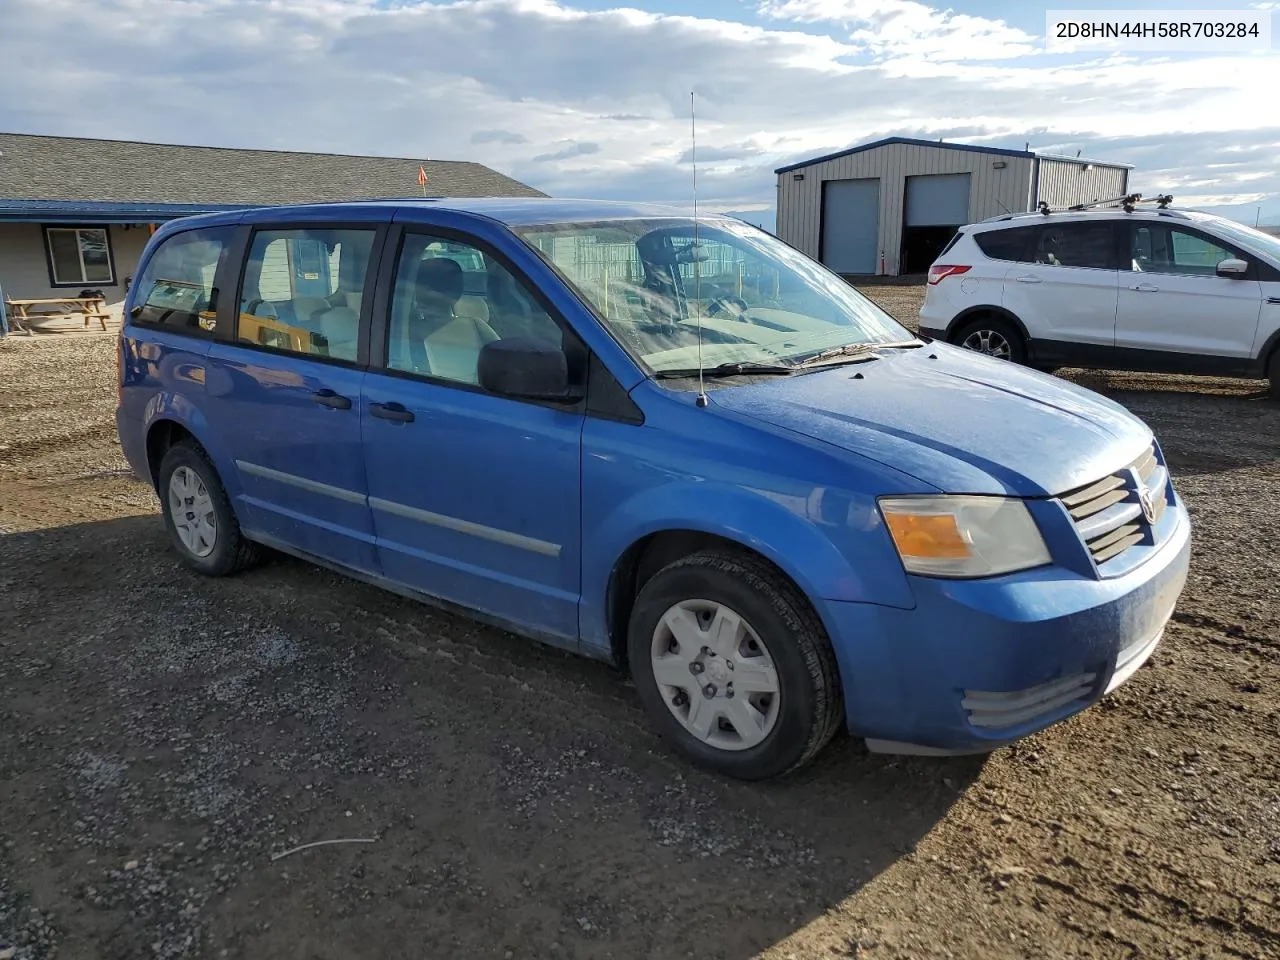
568, 152
596, 103
739, 151
498, 136
891, 28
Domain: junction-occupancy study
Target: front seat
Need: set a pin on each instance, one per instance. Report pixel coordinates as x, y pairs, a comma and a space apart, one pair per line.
441, 342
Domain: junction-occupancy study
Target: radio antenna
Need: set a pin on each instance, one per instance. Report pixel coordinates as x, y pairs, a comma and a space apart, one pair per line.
697, 270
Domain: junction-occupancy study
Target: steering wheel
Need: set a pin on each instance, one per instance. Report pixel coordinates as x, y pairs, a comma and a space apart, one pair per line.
723, 305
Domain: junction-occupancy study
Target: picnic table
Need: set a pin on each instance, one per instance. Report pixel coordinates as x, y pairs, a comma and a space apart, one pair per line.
92, 308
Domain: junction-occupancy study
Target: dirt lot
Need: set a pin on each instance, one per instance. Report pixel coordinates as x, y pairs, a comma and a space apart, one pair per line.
164, 737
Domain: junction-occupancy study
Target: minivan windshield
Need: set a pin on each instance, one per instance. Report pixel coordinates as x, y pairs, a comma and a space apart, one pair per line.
760, 303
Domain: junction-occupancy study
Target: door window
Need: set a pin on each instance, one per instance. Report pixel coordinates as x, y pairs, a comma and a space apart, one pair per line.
451, 299
303, 291
1160, 248
176, 288
1078, 244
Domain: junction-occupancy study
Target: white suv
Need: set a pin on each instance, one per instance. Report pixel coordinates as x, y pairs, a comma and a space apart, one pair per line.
1160, 290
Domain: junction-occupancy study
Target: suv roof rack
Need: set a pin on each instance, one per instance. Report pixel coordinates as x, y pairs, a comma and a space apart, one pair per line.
1127, 202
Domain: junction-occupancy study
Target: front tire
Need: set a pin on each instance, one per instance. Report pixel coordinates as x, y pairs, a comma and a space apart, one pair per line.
198, 514
733, 666
994, 337
1273, 375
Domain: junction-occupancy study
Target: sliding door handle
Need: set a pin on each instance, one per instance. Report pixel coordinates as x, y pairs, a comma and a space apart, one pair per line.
1145, 288
391, 411
1029, 280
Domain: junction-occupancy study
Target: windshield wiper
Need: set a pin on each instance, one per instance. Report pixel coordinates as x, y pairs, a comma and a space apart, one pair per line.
735, 369
853, 352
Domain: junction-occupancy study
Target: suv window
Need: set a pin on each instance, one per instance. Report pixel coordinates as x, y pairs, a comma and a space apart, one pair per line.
451, 299
1077, 244
1014, 244
176, 290
303, 290
1161, 248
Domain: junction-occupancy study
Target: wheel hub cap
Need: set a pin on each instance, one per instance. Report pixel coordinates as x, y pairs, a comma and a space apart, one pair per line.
716, 675
191, 507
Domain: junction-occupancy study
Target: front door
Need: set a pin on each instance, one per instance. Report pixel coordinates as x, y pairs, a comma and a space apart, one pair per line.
287, 392
476, 498
1175, 311
1066, 295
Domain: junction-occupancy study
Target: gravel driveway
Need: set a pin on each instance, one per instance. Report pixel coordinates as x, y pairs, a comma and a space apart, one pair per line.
166, 742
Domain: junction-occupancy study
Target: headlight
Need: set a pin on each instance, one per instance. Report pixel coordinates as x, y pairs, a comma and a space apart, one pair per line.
956, 536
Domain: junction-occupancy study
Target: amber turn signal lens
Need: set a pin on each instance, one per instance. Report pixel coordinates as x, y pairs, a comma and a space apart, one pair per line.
927, 535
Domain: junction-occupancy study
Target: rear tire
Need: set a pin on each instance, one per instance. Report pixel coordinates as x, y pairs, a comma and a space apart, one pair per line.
993, 337
1273, 374
736, 620
198, 514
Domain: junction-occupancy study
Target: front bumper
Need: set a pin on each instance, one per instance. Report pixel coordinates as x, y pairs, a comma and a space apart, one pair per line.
978, 664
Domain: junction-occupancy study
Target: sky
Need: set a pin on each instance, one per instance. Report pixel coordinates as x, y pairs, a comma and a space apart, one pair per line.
591, 98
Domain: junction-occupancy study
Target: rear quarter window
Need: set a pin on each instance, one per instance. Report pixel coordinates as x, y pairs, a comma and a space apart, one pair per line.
1015, 244
176, 291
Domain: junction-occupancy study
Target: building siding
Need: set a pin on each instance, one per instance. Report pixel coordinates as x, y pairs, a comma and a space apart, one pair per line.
24, 271
1067, 182
992, 191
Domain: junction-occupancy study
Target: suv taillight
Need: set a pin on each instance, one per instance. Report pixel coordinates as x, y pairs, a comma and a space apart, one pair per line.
940, 272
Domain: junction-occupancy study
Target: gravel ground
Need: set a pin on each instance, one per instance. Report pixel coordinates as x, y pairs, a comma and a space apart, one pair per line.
165, 739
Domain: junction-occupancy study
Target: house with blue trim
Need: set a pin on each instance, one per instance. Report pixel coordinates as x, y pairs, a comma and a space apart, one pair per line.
891, 206
76, 213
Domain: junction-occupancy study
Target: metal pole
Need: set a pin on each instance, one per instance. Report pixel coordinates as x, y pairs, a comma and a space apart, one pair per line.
4, 317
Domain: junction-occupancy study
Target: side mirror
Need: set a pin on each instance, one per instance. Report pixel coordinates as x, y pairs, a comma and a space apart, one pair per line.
525, 368
1233, 269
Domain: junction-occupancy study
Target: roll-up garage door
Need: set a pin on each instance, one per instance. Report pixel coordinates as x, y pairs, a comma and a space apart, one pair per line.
938, 200
850, 225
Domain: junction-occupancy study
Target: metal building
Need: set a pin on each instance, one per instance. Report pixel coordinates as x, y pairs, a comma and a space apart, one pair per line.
891, 206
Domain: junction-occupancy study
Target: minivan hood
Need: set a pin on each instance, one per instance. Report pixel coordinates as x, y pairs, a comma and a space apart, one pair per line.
954, 419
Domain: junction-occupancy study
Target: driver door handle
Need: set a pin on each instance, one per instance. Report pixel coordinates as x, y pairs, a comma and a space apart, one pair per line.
391, 411
328, 398
1145, 288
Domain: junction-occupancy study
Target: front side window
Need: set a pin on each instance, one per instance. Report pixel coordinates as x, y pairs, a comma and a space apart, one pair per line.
78, 256
451, 299
1076, 245
1160, 248
176, 288
653, 283
303, 291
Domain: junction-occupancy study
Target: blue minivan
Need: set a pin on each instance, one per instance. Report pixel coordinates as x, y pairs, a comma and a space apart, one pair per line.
672, 443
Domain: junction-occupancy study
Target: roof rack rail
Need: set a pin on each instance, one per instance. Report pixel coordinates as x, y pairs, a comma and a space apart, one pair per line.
1127, 202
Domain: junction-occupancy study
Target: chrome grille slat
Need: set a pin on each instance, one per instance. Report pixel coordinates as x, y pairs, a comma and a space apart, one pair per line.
1119, 547
1107, 513
1119, 533
1093, 491
1117, 514
995, 710
1147, 465
1101, 503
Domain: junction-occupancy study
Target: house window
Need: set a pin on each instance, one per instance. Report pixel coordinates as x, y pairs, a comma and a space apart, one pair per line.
79, 256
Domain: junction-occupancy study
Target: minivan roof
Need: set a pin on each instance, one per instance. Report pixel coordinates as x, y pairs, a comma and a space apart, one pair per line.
512, 211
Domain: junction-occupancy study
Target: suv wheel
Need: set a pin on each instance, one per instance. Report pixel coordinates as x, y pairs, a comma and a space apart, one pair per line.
733, 666
994, 337
198, 515
1273, 375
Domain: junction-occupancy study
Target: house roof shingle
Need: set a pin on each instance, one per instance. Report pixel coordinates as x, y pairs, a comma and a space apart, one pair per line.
68, 168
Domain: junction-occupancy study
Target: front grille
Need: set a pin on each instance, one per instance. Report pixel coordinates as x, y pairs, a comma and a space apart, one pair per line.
1109, 514
995, 711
